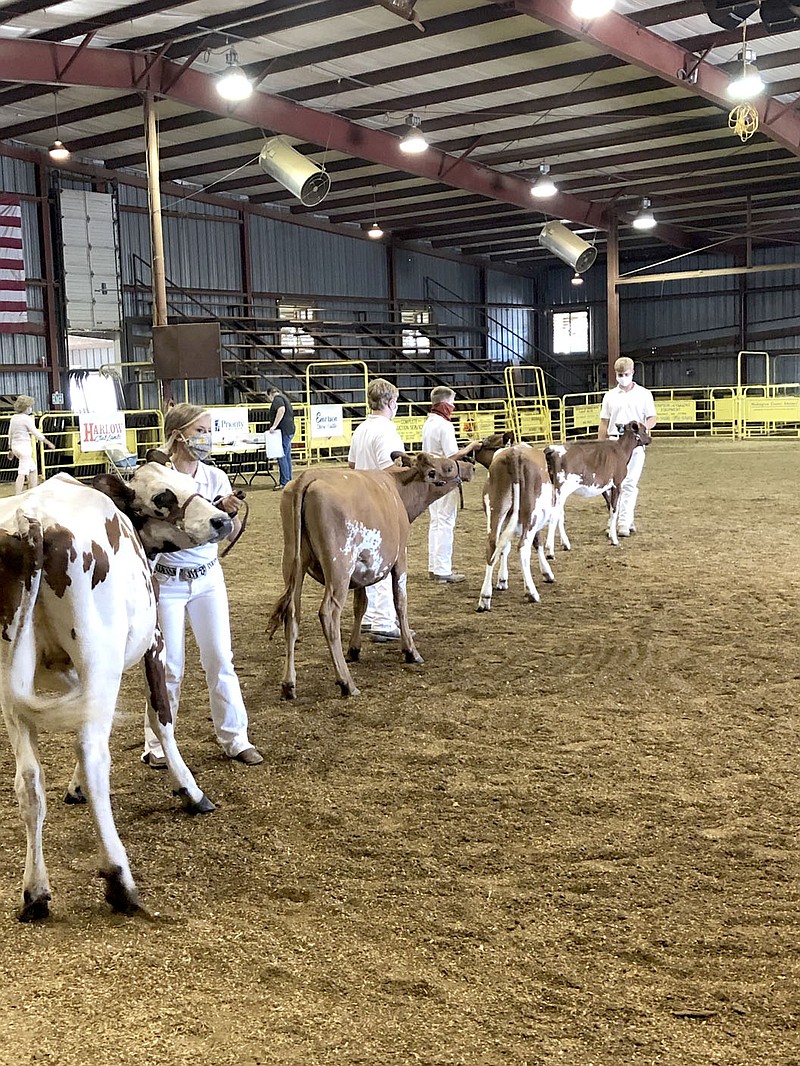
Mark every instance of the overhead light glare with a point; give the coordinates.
(576, 279)
(234, 84)
(591, 9)
(748, 84)
(544, 187)
(413, 141)
(645, 219)
(375, 231)
(59, 152)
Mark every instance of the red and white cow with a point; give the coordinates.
(348, 529)
(591, 468)
(518, 499)
(77, 609)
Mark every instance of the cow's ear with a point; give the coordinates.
(119, 491)
(404, 457)
(508, 438)
(154, 455)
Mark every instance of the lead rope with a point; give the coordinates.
(239, 496)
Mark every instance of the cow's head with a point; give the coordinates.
(491, 445)
(165, 508)
(435, 469)
(638, 430)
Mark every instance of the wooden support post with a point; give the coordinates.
(157, 267)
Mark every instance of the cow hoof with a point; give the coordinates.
(348, 690)
(75, 797)
(483, 607)
(121, 897)
(502, 586)
(201, 806)
(34, 910)
(288, 690)
(353, 655)
(550, 555)
(549, 579)
(413, 657)
(531, 598)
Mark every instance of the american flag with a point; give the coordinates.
(13, 304)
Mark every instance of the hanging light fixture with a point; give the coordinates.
(576, 279)
(58, 151)
(645, 219)
(544, 187)
(748, 84)
(375, 231)
(233, 83)
(413, 141)
(591, 9)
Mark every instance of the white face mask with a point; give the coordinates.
(624, 380)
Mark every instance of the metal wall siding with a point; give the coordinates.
(202, 254)
(17, 176)
(134, 235)
(296, 259)
(447, 280)
(23, 383)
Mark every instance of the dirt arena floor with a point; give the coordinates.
(570, 837)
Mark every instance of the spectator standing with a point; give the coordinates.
(628, 402)
(371, 449)
(191, 585)
(21, 431)
(439, 438)
(281, 419)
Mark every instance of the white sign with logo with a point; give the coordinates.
(229, 425)
(327, 420)
(100, 432)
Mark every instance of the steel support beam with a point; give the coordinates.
(33, 61)
(616, 35)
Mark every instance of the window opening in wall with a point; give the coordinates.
(570, 332)
(294, 338)
(415, 316)
(414, 341)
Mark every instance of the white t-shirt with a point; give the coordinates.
(439, 436)
(373, 443)
(636, 405)
(211, 483)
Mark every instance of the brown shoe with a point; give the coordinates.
(250, 757)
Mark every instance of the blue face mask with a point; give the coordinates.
(198, 445)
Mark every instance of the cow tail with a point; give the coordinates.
(24, 559)
(550, 459)
(505, 530)
(292, 537)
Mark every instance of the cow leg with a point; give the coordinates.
(161, 721)
(94, 759)
(330, 617)
(291, 631)
(525, 544)
(75, 793)
(613, 502)
(399, 579)
(29, 787)
(359, 610)
(485, 598)
(502, 573)
(544, 566)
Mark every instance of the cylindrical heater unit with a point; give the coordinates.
(296, 173)
(567, 246)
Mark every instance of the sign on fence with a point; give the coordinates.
(98, 432)
(680, 410)
(229, 425)
(585, 415)
(327, 420)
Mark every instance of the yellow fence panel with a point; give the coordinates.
(586, 416)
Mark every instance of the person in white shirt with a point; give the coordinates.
(628, 402)
(439, 438)
(21, 431)
(191, 585)
(371, 449)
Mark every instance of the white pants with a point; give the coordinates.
(629, 490)
(443, 514)
(380, 612)
(205, 602)
(24, 457)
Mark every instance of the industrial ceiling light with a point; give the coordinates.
(748, 83)
(645, 219)
(576, 279)
(233, 84)
(58, 152)
(544, 187)
(413, 141)
(591, 9)
(375, 231)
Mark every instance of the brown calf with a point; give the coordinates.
(348, 529)
(591, 468)
(517, 498)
